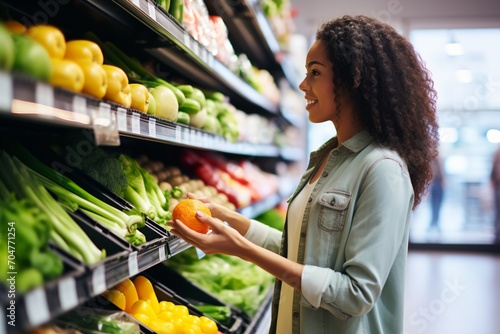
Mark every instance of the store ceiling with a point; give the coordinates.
(422, 13)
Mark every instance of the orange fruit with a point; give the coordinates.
(185, 211)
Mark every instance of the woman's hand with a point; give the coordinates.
(237, 221)
(221, 238)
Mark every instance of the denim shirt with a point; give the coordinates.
(353, 241)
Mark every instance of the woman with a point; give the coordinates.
(343, 251)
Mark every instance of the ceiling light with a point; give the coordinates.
(454, 49)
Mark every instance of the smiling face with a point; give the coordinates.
(318, 85)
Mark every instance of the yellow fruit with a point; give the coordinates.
(188, 328)
(67, 74)
(180, 311)
(96, 80)
(166, 306)
(127, 287)
(118, 89)
(142, 318)
(146, 291)
(162, 327)
(116, 297)
(84, 50)
(208, 326)
(185, 211)
(166, 315)
(50, 37)
(142, 306)
(140, 97)
(15, 27)
(192, 319)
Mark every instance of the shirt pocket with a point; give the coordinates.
(333, 210)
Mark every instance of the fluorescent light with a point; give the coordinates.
(454, 49)
(493, 136)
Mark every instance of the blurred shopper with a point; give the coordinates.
(436, 193)
(340, 261)
(495, 181)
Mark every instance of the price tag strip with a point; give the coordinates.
(37, 308)
(121, 119)
(133, 265)
(7, 93)
(162, 255)
(68, 296)
(44, 94)
(105, 125)
(136, 123)
(99, 280)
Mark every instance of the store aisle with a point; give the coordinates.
(455, 293)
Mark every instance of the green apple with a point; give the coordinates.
(31, 58)
(167, 106)
(7, 49)
(151, 104)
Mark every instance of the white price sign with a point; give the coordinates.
(37, 307)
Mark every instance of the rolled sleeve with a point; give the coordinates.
(315, 281)
(264, 236)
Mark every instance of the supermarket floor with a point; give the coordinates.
(452, 292)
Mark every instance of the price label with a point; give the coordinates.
(68, 297)
(178, 134)
(133, 265)
(7, 93)
(121, 119)
(162, 255)
(187, 40)
(44, 94)
(152, 10)
(80, 104)
(152, 127)
(99, 280)
(136, 123)
(37, 307)
(210, 60)
(196, 49)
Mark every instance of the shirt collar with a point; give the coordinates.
(359, 141)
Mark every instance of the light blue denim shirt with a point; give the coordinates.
(353, 241)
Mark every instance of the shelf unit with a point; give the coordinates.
(158, 34)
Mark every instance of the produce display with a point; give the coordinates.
(242, 182)
(138, 298)
(25, 177)
(103, 71)
(231, 279)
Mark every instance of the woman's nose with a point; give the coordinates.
(303, 85)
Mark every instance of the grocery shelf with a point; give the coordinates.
(174, 46)
(143, 26)
(251, 33)
(23, 98)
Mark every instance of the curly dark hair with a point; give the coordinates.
(391, 87)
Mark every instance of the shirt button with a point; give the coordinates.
(325, 174)
(302, 234)
(309, 200)
(295, 314)
(335, 153)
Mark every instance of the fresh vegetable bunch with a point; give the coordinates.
(234, 281)
(24, 183)
(29, 230)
